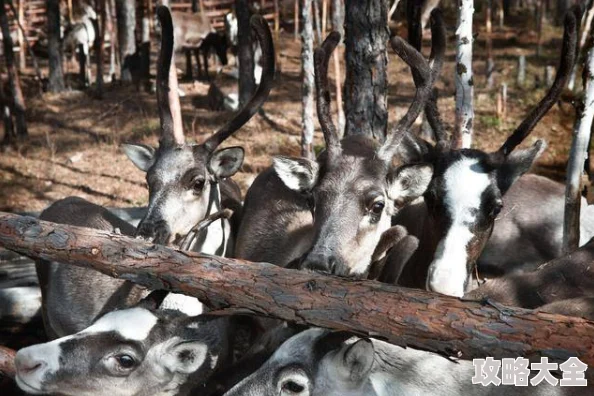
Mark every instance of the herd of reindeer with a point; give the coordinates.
(461, 222)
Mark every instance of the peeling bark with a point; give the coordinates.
(402, 316)
(464, 84)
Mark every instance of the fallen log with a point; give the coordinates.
(7, 362)
(402, 316)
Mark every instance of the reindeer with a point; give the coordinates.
(81, 36)
(467, 195)
(141, 350)
(194, 34)
(330, 214)
(319, 362)
(186, 185)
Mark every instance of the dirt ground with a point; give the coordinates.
(74, 143)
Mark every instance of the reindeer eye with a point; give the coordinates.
(126, 361)
(198, 186)
(377, 208)
(496, 209)
(293, 387)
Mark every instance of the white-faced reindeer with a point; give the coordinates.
(330, 214)
(81, 37)
(318, 362)
(474, 193)
(141, 350)
(186, 185)
(194, 35)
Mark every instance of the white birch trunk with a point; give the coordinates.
(307, 64)
(577, 158)
(464, 85)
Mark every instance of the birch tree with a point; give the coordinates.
(464, 84)
(307, 65)
(338, 25)
(577, 158)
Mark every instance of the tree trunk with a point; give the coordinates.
(338, 25)
(14, 81)
(490, 66)
(126, 19)
(245, 53)
(402, 316)
(145, 45)
(6, 106)
(317, 19)
(577, 158)
(464, 84)
(100, 44)
(56, 76)
(585, 33)
(7, 367)
(113, 40)
(307, 65)
(366, 36)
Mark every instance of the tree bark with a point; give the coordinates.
(307, 88)
(245, 53)
(464, 84)
(126, 19)
(585, 33)
(402, 316)
(7, 367)
(145, 45)
(100, 6)
(338, 25)
(490, 65)
(14, 81)
(366, 36)
(577, 157)
(56, 75)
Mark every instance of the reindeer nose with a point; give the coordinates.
(325, 263)
(159, 231)
(27, 364)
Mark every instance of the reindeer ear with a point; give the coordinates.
(224, 163)
(516, 164)
(141, 155)
(298, 174)
(185, 357)
(409, 182)
(358, 359)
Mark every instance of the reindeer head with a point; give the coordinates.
(182, 178)
(353, 187)
(468, 185)
(136, 351)
(315, 362)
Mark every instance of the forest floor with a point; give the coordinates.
(74, 143)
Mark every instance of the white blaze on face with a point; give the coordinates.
(464, 183)
(132, 324)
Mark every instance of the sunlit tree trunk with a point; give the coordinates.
(126, 17)
(464, 84)
(307, 64)
(56, 76)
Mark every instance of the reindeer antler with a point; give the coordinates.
(438, 47)
(321, 58)
(416, 62)
(262, 31)
(167, 95)
(568, 57)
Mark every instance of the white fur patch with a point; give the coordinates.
(131, 324)
(465, 181)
